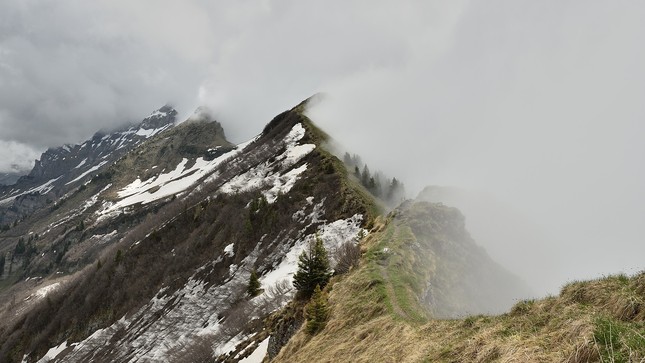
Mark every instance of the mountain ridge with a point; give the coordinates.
(148, 259)
(299, 187)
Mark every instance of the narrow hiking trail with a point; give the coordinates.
(391, 294)
(392, 239)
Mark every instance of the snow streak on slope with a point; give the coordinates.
(273, 177)
(43, 189)
(54, 352)
(275, 174)
(174, 182)
(92, 169)
(258, 354)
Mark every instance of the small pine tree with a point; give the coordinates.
(254, 284)
(365, 176)
(316, 312)
(313, 269)
(356, 160)
(371, 186)
(347, 159)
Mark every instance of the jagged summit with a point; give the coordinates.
(160, 118)
(64, 168)
(102, 145)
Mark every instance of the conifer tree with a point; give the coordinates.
(371, 185)
(356, 160)
(313, 269)
(365, 176)
(316, 312)
(347, 159)
(254, 284)
(392, 190)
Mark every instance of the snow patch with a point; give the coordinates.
(103, 238)
(258, 354)
(164, 185)
(274, 178)
(228, 250)
(42, 292)
(92, 169)
(157, 114)
(81, 163)
(42, 189)
(148, 133)
(55, 351)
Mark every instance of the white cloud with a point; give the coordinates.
(538, 104)
(17, 157)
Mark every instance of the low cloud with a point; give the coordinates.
(536, 105)
(539, 108)
(17, 158)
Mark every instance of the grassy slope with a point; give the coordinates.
(375, 317)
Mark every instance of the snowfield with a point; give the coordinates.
(333, 235)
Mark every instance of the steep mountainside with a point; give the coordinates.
(155, 252)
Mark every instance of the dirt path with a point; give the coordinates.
(392, 295)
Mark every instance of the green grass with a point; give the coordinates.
(619, 341)
(392, 260)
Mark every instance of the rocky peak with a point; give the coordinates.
(162, 117)
(66, 167)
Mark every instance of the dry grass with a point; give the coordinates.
(365, 327)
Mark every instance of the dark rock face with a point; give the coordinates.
(283, 331)
(160, 118)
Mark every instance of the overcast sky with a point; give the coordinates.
(540, 106)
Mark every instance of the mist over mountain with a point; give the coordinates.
(8, 178)
(465, 185)
(142, 245)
